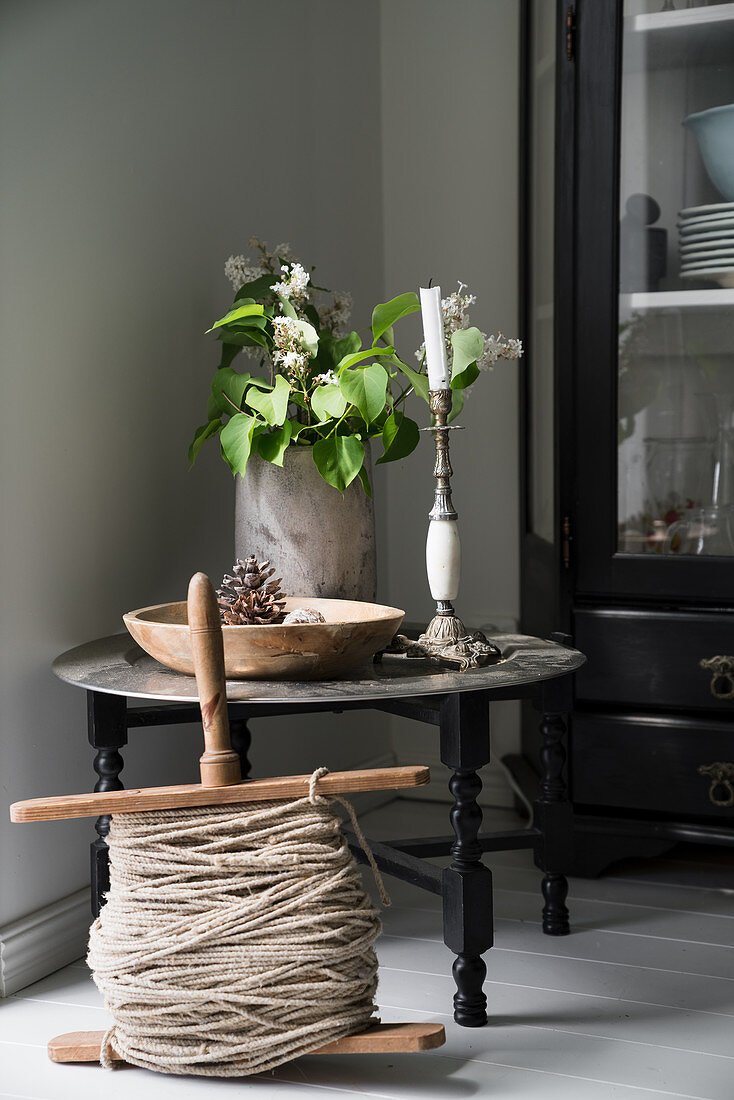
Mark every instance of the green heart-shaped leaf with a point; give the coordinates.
(243, 338)
(229, 351)
(228, 388)
(258, 288)
(418, 381)
(366, 389)
(468, 346)
(212, 407)
(309, 337)
(287, 308)
(247, 309)
(466, 378)
(328, 401)
(339, 459)
(200, 437)
(346, 345)
(272, 445)
(400, 437)
(386, 314)
(244, 324)
(357, 357)
(271, 404)
(457, 404)
(236, 441)
(365, 479)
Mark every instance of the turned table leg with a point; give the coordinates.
(107, 732)
(467, 883)
(553, 814)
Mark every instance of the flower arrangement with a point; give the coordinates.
(316, 384)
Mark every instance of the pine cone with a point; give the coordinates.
(248, 596)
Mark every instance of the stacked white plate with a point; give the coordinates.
(706, 243)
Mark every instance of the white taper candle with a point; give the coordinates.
(438, 368)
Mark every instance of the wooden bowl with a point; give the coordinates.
(352, 634)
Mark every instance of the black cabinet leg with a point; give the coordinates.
(107, 732)
(554, 817)
(467, 883)
(241, 741)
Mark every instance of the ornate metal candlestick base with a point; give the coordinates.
(446, 640)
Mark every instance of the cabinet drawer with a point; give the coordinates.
(646, 763)
(652, 659)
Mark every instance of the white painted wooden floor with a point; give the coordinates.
(637, 1002)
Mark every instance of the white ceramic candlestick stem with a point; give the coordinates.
(436, 361)
(443, 547)
(446, 640)
(443, 559)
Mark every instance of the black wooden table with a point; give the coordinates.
(113, 670)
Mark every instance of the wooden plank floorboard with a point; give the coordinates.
(623, 950)
(624, 1061)
(512, 1004)
(392, 1077)
(587, 978)
(642, 920)
(590, 914)
(630, 892)
(637, 1003)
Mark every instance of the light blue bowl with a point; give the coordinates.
(714, 130)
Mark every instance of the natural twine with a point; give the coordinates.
(234, 938)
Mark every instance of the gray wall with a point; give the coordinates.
(450, 180)
(449, 171)
(142, 143)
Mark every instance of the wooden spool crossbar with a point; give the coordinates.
(59, 807)
(86, 1046)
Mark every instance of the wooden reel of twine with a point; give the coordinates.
(234, 938)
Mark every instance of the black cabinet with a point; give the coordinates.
(628, 408)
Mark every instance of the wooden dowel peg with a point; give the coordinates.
(219, 766)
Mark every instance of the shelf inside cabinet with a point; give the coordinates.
(690, 36)
(720, 298)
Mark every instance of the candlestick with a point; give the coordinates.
(446, 641)
(432, 316)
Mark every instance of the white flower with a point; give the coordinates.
(289, 350)
(239, 271)
(291, 359)
(285, 328)
(294, 284)
(454, 309)
(497, 347)
(325, 379)
(335, 316)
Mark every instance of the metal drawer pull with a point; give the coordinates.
(722, 774)
(722, 681)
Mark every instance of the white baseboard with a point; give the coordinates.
(36, 945)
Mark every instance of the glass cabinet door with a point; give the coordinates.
(675, 339)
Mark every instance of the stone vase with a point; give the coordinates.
(321, 542)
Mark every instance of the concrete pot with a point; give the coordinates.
(321, 543)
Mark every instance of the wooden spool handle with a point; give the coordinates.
(219, 766)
